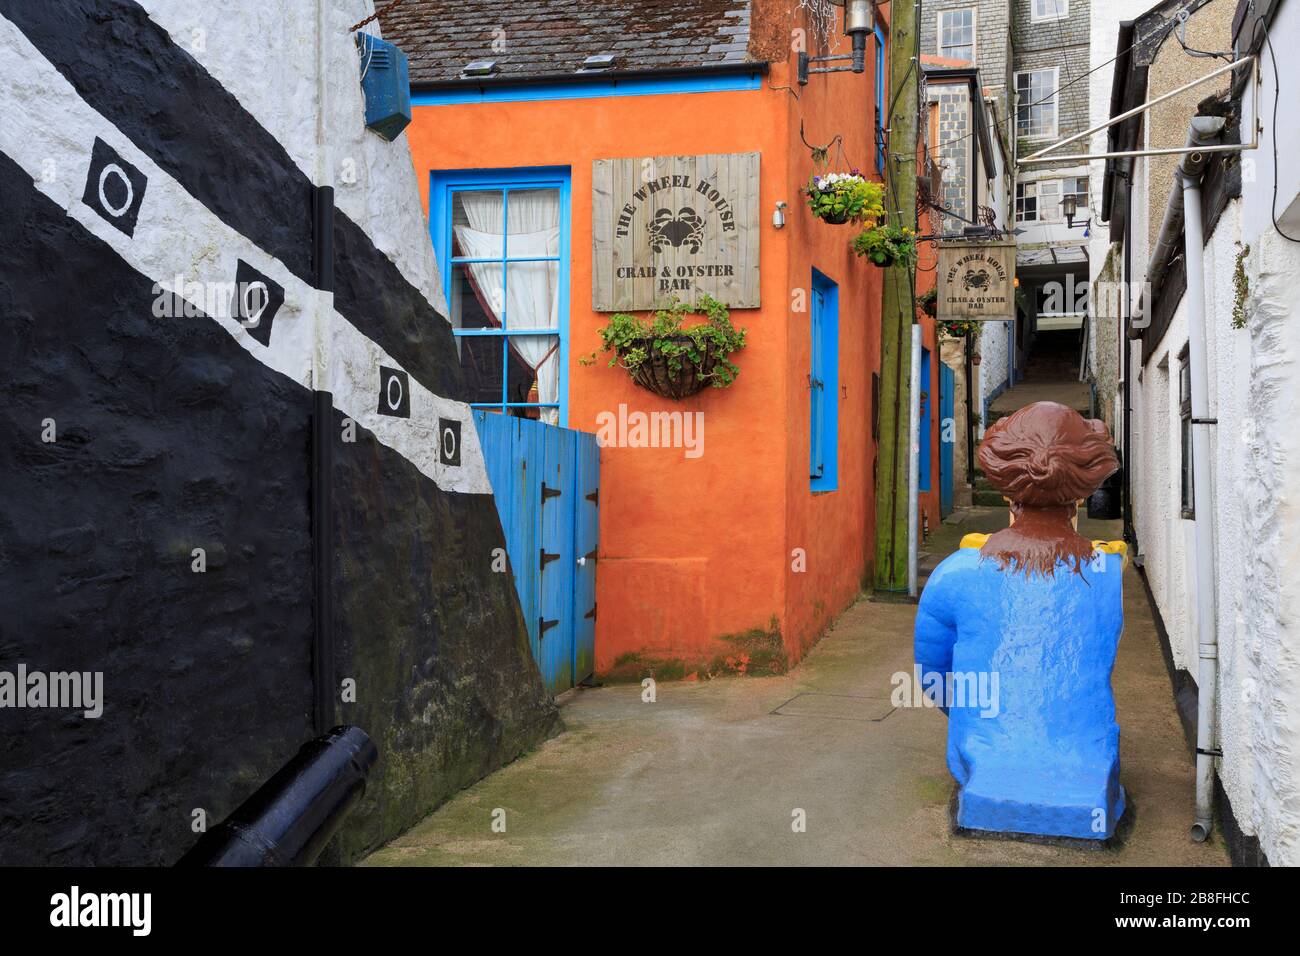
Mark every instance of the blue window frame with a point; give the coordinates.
(824, 385)
(501, 237)
(880, 100)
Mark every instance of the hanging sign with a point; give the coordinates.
(674, 227)
(977, 281)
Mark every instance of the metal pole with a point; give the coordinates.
(1034, 157)
(914, 462)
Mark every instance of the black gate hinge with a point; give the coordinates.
(594, 497)
(591, 614)
(543, 625)
(549, 492)
(546, 556)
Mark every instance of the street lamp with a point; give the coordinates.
(859, 23)
(1070, 206)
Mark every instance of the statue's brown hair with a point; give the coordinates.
(1044, 457)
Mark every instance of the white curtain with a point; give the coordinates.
(533, 290)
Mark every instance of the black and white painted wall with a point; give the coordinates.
(234, 475)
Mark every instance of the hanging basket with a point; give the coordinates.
(662, 356)
(834, 219)
(655, 374)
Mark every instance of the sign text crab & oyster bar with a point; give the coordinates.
(675, 227)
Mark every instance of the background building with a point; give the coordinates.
(1250, 212)
(750, 548)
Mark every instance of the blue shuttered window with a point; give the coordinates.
(824, 385)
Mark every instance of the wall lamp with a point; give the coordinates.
(859, 22)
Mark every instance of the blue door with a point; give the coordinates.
(925, 423)
(947, 436)
(586, 524)
(546, 482)
(824, 385)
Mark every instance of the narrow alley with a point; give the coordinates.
(711, 773)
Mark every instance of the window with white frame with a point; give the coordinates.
(1038, 201)
(1050, 9)
(957, 34)
(1076, 186)
(1036, 103)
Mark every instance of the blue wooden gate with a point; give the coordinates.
(546, 482)
(947, 436)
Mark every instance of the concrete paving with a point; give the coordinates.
(1073, 393)
(717, 772)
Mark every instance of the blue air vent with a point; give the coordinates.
(386, 85)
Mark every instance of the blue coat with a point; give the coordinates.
(1032, 737)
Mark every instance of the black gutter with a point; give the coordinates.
(1118, 90)
(580, 78)
(322, 484)
(1130, 531)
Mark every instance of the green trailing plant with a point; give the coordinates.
(845, 197)
(1241, 288)
(670, 358)
(884, 245)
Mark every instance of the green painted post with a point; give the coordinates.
(898, 310)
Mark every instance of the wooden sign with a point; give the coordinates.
(977, 281)
(674, 227)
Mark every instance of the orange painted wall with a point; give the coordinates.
(693, 549)
(835, 529)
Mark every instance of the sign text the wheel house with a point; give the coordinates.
(977, 281)
(668, 228)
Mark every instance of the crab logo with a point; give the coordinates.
(684, 229)
(975, 279)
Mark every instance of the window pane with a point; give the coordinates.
(1036, 103)
(476, 224)
(476, 296)
(535, 360)
(533, 295)
(957, 34)
(480, 362)
(534, 223)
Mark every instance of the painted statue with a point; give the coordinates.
(1016, 635)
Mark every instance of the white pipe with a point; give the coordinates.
(1202, 499)
(914, 463)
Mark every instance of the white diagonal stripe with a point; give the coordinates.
(46, 123)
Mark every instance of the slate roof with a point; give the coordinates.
(550, 37)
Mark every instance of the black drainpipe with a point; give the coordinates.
(322, 485)
(970, 410)
(1129, 534)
